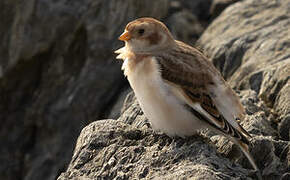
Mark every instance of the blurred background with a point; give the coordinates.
(58, 72)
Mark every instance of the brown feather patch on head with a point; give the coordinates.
(154, 38)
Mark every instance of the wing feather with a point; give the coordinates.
(195, 79)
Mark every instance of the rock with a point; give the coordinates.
(248, 44)
(281, 107)
(115, 110)
(251, 48)
(127, 147)
(132, 113)
(217, 6)
(188, 19)
(110, 149)
(134, 150)
(58, 74)
(199, 8)
(269, 151)
(184, 25)
(284, 128)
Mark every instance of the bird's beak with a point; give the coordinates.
(125, 36)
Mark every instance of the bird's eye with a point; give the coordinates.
(141, 31)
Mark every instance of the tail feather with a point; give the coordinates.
(238, 136)
(245, 149)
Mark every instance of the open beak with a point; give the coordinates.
(125, 36)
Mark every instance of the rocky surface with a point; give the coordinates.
(58, 73)
(128, 148)
(249, 44)
(218, 6)
(251, 47)
(110, 149)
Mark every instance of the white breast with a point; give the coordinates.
(164, 110)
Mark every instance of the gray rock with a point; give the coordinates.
(248, 44)
(200, 8)
(115, 111)
(132, 150)
(186, 26)
(284, 128)
(217, 6)
(111, 149)
(57, 74)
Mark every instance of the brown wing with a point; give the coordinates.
(190, 74)
(207, 104)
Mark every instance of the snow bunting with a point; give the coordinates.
(177, 87)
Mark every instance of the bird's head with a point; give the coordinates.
(145, 35)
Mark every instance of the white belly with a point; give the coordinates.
(163, 109)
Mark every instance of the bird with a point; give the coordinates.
(178, 88)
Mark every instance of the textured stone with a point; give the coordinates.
(186, 26)
(217, 6)
(110, 149)
(135, 151)
(57, 74)
(248, 43)
(200, 8)
(250, 46)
